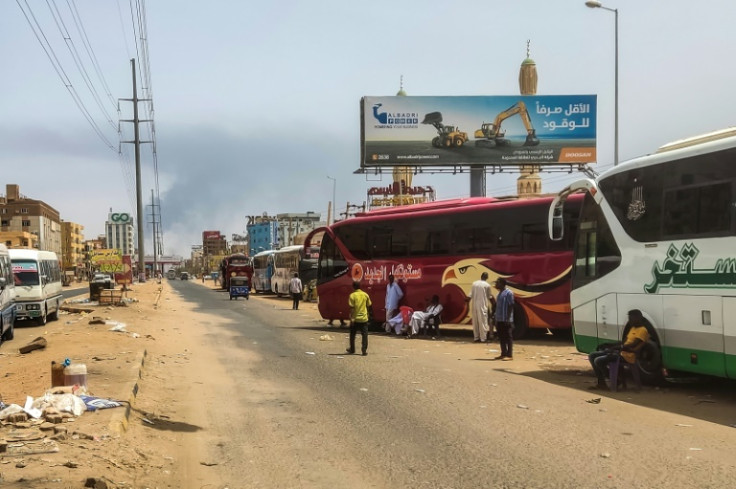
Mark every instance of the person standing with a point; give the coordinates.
(480, 294)
(359, 303)
(295, 288)
(505, 320)
(393, 296)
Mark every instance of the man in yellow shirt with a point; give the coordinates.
(359, 303)
(636, 337)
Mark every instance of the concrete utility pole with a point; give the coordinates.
(138, 187)
(155, 236)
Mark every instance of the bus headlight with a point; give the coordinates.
(33, 307)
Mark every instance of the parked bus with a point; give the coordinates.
(441, 248)
(658, 234)
(37, 276)
(7, 296)
(263, 271)
(237, 264)
(285, 264)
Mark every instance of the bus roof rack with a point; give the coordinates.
(702, 138)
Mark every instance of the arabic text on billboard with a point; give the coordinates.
(478, 130)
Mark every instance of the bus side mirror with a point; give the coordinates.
(556, 220)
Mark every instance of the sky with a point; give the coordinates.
(256, 104)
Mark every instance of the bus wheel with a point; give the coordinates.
(42, 318)
(54, 316)
(8, 335)
(521, 325)
(650, 363)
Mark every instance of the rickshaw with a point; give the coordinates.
(239, 287)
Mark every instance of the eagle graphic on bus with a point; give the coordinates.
(463, 273)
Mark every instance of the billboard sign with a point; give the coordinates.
(107, 260)
(125, 277)
(478, 130)
(210, 235)
(119, 218)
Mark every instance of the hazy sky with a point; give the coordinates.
(256, 103)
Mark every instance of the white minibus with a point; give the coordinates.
(37, 276)
(7, 296)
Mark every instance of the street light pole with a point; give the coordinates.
(596, 4)
(334, 185)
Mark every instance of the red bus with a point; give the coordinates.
(237, 264)
(442, 247)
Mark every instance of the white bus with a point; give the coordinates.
(37, 276)
(7, 296)
(263, 271)
(658, 233)
(285, 264)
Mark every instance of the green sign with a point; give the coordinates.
(678, 271)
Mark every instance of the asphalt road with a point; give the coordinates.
(277, 406)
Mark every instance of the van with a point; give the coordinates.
(7, 296)
(37, 276)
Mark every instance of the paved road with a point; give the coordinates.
(273, 405)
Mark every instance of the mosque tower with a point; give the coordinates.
(402, 172)
(529, 182)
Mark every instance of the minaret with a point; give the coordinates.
(402, 172)
(529, 183)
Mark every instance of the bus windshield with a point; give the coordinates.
(25, 272)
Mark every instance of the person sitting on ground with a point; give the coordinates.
(400, 322)
(419, 317)
(636, 337)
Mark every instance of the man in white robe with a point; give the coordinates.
(419, 317)
(480, 295)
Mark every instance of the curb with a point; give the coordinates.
(119, 421)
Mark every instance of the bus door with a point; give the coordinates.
(607, 321)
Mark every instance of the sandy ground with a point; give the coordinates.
(158, 341)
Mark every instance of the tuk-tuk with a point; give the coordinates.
(239, 287)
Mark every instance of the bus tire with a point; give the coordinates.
(42, 318)
(10, 333)
(54, 316)
(649, 362)
(521, 325)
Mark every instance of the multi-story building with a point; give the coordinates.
(19, 214)
(214, 248)
(292, 224)
(72, 246)
(262, 233)
(19, 239)
(120, 233)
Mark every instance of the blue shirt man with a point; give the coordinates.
(505, 319)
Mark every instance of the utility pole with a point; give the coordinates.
(138, 187)
(155, 235)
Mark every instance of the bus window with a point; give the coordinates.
(331, 261)
(355, 239)
(698, 210)
(380, 241)
(596, 251)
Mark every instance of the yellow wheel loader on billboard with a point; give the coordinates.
(447, 136)
(490, 134)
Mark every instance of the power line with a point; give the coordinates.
(77, 59)
(46, 46)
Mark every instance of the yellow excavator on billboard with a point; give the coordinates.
(490, 134)
(447, 136)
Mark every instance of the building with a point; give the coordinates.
(292, 224)
(262, 233)
(72, 247)
(19, 239)
(120, 233)
(19, 215)
(214, 248)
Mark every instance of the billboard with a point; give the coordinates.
(478, 130)
(107, 260)
(210, 235)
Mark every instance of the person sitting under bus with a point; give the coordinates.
(401, 320)
(434, 309)
(636, 337)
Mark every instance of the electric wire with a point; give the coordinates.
(90, 52)
(78, 60)
(48, 49)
